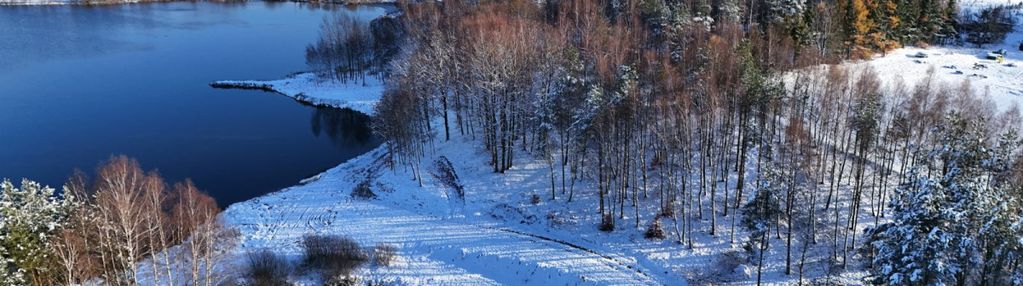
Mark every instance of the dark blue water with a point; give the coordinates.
(79, 84)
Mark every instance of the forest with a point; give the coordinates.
(734, 119)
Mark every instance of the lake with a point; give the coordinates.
(80, 84)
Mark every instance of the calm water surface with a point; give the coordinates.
(79, 84)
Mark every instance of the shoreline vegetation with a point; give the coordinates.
(247, 85)
(350, 60)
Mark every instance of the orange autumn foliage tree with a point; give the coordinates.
(861, 27)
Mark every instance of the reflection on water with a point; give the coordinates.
(344, 127)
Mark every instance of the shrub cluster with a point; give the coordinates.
(267, 268)
(335, 257)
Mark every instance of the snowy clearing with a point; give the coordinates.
(1003, 81)
(435, 247)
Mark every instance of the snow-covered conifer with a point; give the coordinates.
(950, 225)
(29, 216)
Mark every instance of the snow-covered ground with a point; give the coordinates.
(439, 244)
(955, 64)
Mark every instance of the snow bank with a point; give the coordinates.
(309, 88)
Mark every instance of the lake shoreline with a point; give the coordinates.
(309, 88)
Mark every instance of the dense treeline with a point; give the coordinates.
(110, 229)
(706, 111)
(989, 25)
(350, 48)
(344, 49)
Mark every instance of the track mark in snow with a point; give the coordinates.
(610, 260)
(467, 250)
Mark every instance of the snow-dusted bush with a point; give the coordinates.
(607, 223)
(666, 210)
(363, 190)
(445, 172)
(334, 256)
(654, 231)
(267, 268)
(383, 254)
(343, 281)
(534, 199)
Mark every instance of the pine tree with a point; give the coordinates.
(655, 15)
(9, 275)
(931, 21)
(950, 22)
(779, 11)
(886, 37)
(727, 11)
(893, 21)
(950, 224)
(1001, 246)
(916, 247)
(29, 217)
(908, 12)
(761, 212)
(989, 26)
(801, 33)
